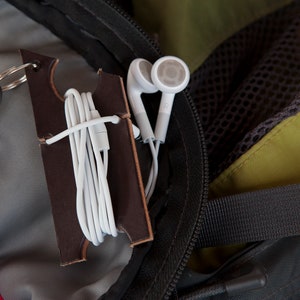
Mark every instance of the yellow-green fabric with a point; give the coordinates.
(273, 161)
(192, 29)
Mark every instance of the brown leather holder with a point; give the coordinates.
(124, 176)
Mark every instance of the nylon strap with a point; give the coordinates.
(250, 217)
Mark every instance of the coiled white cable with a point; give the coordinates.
(88, 139)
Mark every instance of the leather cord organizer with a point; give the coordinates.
(124, 176)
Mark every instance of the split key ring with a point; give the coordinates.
(17, 81)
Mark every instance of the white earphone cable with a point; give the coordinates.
(149, 189)
(88, 139)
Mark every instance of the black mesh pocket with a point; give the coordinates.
(248, 85)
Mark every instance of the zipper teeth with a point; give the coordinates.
(205, 182)
(205, 179)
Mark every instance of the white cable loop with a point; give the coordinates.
(89, 149)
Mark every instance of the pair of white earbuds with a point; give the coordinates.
(170, 75)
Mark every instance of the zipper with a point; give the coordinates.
(205, 183)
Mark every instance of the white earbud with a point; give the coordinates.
(138, 82)
(170, 75)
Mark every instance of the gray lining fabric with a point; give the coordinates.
(29, 258)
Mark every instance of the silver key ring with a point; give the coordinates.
(13, 70)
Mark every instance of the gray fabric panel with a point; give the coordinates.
(29, 260)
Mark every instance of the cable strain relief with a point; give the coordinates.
(161, 127)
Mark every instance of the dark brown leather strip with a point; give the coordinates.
(124, 175)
